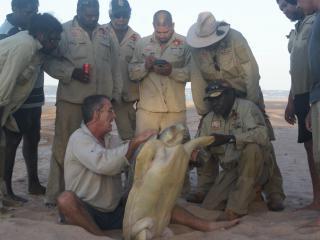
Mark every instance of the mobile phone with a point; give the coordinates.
(160, 62)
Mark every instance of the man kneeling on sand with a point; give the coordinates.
(93, 164)
(241, 141)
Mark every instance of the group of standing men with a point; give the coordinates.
(149, 74)
(304, 95)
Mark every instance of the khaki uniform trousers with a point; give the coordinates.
(315, 116)
(158, 121)
(125, 119)
(68, 120)
(209, 172)
(2, 160)
(235, 188)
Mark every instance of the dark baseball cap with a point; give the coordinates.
(119, 6)
(216, 88)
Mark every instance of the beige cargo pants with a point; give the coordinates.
(235, 188)
(209, 172)
(125, 119)
(68, 119)
(157, 121)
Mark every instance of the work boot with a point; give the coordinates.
(196, 197)
(275, 203)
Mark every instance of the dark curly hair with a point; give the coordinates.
(44, 23)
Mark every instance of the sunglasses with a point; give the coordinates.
(124, 15)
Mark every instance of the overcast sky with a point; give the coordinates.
(260, 21)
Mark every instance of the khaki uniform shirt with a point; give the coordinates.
(231, 60)
(75, 49)
(298, 48)
(130, 90)
(161, 93)
(20, 62)
(93, 171)
(245, 122)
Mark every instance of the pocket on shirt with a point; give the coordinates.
(105, 50)
(228, 64)
(78, 50)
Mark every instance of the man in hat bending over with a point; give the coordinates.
(221, 52)
(241, 141)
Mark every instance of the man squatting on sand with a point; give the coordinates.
(298, 101)
(95, 158)
(241, 145)
(222, 53)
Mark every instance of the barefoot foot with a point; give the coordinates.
(223, 225)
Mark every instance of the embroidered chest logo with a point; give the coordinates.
(177, 42)
(216, 124)
(134, 37)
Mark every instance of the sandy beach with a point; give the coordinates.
(34, 221)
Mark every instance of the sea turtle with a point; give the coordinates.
(160, 171)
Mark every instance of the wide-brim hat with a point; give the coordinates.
(206, 31)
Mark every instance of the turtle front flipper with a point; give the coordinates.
(145, 158)
(198, 142)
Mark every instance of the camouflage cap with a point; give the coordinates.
(216, 88)
(87, 3)
(119, 6)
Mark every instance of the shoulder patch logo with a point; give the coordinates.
(177, 42)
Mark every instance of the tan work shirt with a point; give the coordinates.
(245, 122)
(161, 93)
(93, 171)
(231, 60)
(20, 62)
(298, 48)
(77, 48)
(130, 90)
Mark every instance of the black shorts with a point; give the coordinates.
(28, 120)
(302, 107)
(106, 220)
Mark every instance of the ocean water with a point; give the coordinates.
(50, 93)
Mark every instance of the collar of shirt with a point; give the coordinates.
(128, 35)
(155, 40)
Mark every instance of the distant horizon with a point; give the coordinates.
(263, 89)
(261, 22)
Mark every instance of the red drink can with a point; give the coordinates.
(86, 68)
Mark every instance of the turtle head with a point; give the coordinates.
(173, 135)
